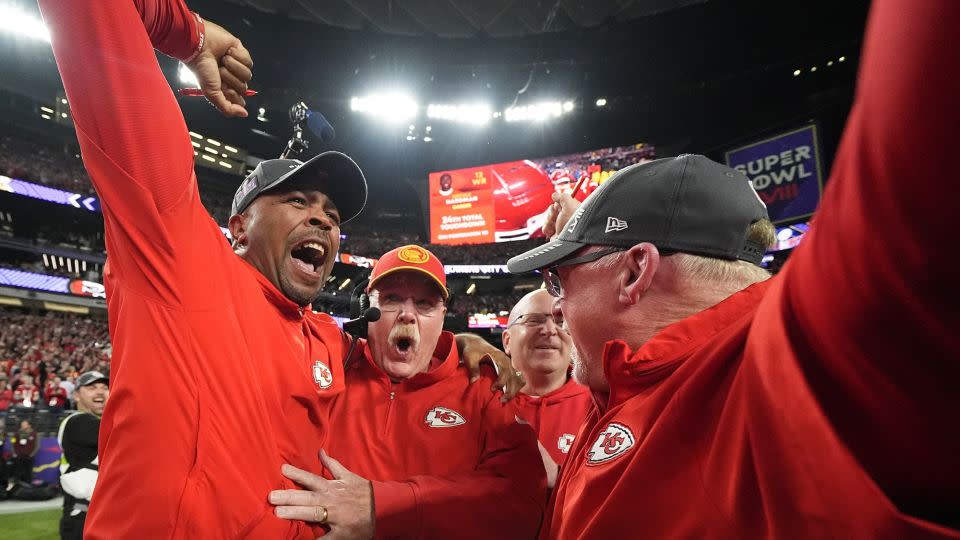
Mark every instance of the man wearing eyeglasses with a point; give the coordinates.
(820, 403)
(433, 455)
(552, 402)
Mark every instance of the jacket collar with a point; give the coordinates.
(570, 389)
(287, 307)
(630, 372)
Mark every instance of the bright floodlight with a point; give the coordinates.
(567, 106)
(602, 102)
(186, 76)
(477, 114)
(15, 21)
(391, 107)
(536, 112)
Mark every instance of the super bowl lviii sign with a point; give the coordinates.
(785, 171)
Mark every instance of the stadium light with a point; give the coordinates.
(537, 111)
(796, 73)
(841, 59)
(15, 21)
(391, 107)
(186, 76)
(602, 102)
(476, 114)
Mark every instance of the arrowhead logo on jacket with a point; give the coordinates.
(322, 375)
(443, 417)
(612, 443)
(565, 442)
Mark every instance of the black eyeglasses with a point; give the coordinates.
(537, 320)
(552, 278)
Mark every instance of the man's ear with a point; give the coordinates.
(238, 226)
(505, 338)
(637, 269)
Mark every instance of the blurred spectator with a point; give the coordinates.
(25, 446)
(67, 384)
(6, 393)
(54, 394)
(26, 393)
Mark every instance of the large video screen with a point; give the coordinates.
(508, 201)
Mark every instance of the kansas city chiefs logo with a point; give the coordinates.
(611, 444)
(322, 375)
(565, 442)
(443, 417)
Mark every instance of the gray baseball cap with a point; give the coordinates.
(688, 204)
(91, 377)
(335, 174)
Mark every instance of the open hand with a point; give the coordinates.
(474, 351)
(345, 503)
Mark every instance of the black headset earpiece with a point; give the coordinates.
(359, 299)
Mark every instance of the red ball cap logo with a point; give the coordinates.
(410, 259)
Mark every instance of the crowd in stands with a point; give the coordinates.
(41, 164)
(41, 355)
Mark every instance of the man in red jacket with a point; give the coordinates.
(552, 402)
(444, 457)
(820, 403)
(186, 310)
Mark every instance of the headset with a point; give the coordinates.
(361, 314)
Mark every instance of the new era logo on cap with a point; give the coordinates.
(614, 224)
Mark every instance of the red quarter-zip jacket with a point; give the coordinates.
(446, 458)
(822, 403)
(217, 379)
(556, 417)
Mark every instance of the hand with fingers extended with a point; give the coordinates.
(559, 214)
(223, 68)
(474, 351)
(344, 504)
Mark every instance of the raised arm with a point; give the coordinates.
(133, 138)
(870, 299)
(120, 101)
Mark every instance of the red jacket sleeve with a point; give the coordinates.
(871, 297)
(134, 141)
(503, 498)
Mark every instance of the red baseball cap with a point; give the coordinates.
(410, 258)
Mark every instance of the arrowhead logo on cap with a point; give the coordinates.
(413, 255)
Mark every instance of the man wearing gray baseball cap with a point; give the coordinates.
(78, 438)
(820, 403)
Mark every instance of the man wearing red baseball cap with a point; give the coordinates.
(442, 455)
